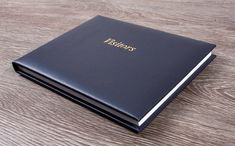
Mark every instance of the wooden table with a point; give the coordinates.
(203, 114)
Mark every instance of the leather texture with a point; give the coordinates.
(131, 83)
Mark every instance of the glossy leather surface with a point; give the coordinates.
(129, 82)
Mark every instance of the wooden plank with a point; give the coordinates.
(203, 114)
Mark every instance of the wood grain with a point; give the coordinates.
(203, 114)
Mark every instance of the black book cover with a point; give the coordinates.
(125, 72)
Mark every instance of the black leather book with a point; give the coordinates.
(125, 72)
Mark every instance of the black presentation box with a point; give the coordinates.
(125, 72)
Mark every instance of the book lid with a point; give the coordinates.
(126, 67)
